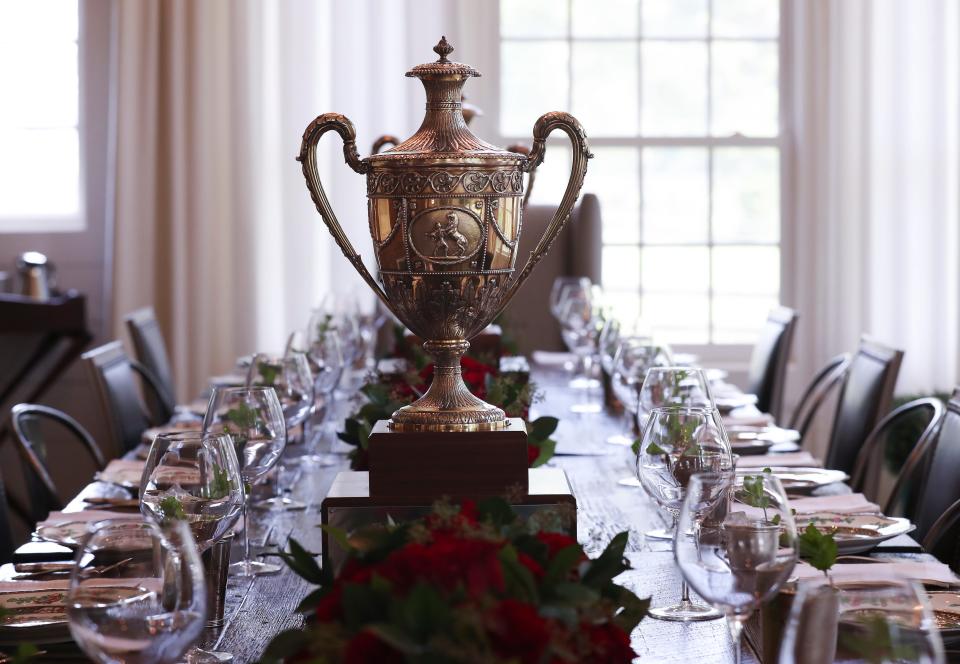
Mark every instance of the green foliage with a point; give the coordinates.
(219, 485)
(876, 640)
(268, 373)
(817, 548)
(171, 509)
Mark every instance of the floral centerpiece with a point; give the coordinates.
(466, 584)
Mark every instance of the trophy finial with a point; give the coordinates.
(443, 49)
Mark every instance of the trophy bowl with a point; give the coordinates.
(445, 214)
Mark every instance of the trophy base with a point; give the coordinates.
(350, 505)
(429, 464)
(467, 413)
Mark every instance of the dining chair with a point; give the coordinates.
(865, 398)
(113, 374)
(150, 351)
(31, 423)
(7, 546)
(940, 486)
(767, 375)
(943, 538)
(822, 385)
(891, 465)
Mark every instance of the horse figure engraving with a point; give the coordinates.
(448, 231)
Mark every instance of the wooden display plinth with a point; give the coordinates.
(349, 505)
(426, 465)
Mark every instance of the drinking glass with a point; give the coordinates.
(195, 478)
(560, 289)
(743, 546)
(580, 327)
(633, 358)
(253, 418)
(136, 592)
(677, 443)
(674, 386)
(887, 620)
(325, 353)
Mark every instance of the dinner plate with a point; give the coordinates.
(725, 404)
(946, 614)
(39, 616)
(856, 533)
(750, 447)
(68, 533)
(773, 434)
(801, 479)
(147, 436)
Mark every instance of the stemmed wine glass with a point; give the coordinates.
(194, 478)
(633, 358)
(253, 418)
(887, 620)
(580, 323)
(560, 290)
(743, 546)
(136, 592)
(325, 353)
(674, 386)
(290, 376)
(677, 443)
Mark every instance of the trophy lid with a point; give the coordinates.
(444, 133)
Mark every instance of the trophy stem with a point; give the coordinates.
(447, 404)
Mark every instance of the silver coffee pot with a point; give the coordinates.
(36, 275)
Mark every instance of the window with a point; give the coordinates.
(680, 100)
(39, 116)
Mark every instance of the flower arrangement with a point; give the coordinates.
(466, 584)
(506, 390)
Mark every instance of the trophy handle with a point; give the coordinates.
(308, 159)
(386, 139)
(581, 153)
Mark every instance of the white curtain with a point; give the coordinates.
(874, 210)
(212, 223)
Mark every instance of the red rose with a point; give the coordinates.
(530, 564)
(366, 648)
(532, 453)
(556, 542)
(448, 561)
(518, 631)
(328, 608)
(608, 643)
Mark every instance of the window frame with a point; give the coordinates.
(486, 22)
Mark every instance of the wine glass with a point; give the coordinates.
(559, 291)
(743, 546)
(674, 386)
(325, 353)
(677, 443)
(136, 592)
(887, 620)
(253, 418)
(194, 478)
(580, 328)
(633, 358)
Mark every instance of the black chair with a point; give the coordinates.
(891, 465)
(7, 546)
(768, 363)
(864, 398)
(28, 424)
(114, 375)
(828, 378)
(943, 538)
(151, 352)
(940, 487)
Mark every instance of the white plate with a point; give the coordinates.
(856, 533)
(727, 404)
(800, 479)
(946, 614)
(773, 434)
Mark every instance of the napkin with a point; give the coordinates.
(801, 459)
(28, 585)
(748, 419)
(848, 503)
(551, 358)
(89, 516)
(122, 471)
(932, 572)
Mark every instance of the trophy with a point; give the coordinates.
(445, 216)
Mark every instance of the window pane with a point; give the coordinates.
(746, 195)
(533, 18)
(601, 69)
(31, 182)
(40, 83)
(621, 268)
(553, 174)
(613, 175)
(675, 270)
(746, 18)
(49, 21)
(674, 101)
(744, 90)
(677, 318)
(742, 270)
(674, 18)
(532, 81)
(624, 305)
(610, 18)
(737, 319)
(675, 195)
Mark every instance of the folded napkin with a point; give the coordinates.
(757, 419)
(122, 471)
(848, 503)
(723, 390)
(795, 459)
(28, 585)
(549, 358)
(933, 572)
(89, 516)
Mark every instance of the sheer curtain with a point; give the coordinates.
(211, 222)
(874, 207)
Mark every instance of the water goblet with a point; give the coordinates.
(633, 358)
(325, 353)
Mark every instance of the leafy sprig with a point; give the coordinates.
(171, 509)
(818, 548)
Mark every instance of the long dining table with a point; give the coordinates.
(259, 608)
